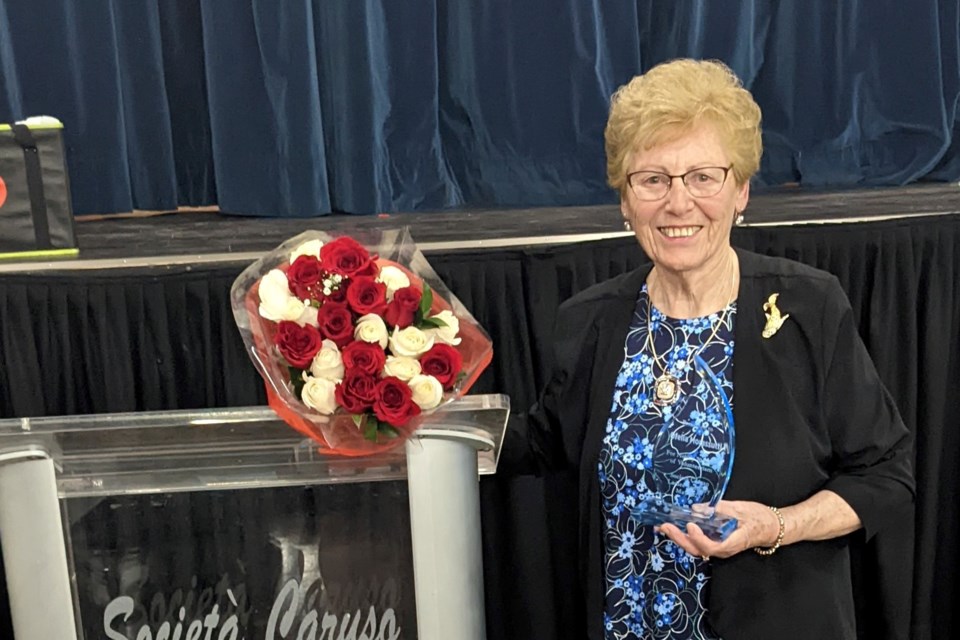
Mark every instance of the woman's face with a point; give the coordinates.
(682, 233)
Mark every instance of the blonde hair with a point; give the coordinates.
(672, 99)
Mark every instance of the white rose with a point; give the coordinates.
(328, 363)
(447, 334)
(308, 315)
(371, 328)
(410, 342)
(427, 391)
(394, 278)
(308, 248)
(276, 301)
(401, 367)
(318, 394)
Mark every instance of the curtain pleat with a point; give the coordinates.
(307, 107)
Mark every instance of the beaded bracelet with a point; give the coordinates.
(769, 551)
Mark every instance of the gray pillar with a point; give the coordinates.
(34, 553)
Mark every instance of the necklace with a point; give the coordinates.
(666, 387)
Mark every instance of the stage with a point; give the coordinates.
(141, 321)
(206, 237)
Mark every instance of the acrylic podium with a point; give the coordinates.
(228, 524)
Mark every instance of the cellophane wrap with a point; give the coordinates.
(342, 433)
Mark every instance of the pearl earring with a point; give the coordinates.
(626, 225)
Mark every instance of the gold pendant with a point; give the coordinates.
(666, 390)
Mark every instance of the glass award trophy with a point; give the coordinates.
(692, 460)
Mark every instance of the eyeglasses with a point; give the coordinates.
(700, 183)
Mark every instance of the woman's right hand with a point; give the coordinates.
(757, 526)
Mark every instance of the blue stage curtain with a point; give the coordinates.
(304, 107)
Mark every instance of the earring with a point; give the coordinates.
(626, 225)
(738, 218)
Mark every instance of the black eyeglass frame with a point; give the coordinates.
(682, 176)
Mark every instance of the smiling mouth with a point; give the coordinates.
(678, 232)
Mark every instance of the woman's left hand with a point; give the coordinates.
(757, 526)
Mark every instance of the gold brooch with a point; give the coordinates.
(774, 318)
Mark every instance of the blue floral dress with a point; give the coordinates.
(655, 589)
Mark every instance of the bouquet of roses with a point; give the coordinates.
(354, 343)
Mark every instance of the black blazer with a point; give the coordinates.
(810, 413)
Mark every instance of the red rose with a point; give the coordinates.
(366, 295)
(443, 362)
(305, 277)
(340, 293)
(365, 357)
(393, 402)
(345, 255)
(335, 322)
(357, 392)
(401, 310)
(298, 345)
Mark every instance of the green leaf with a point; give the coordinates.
(357, 419)
(389, 431)
(296, 379)
(431, 323)
(426, 301)
(370, 429)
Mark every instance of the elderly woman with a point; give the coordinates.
(820, 450)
